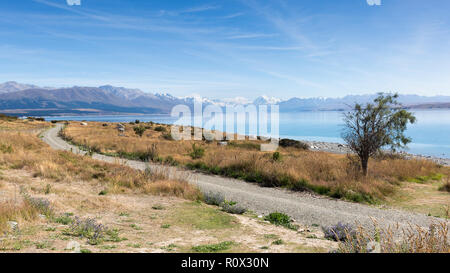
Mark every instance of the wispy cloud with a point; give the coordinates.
(189, 10)
(251, 36)
(233, 15)
(73, 10)
(290, 26)
(296, 79)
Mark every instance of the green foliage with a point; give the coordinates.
(213, 247)
(276, 156)
(160, 129)
(233, 208)
(7, 149)
(48, 189)
(375, 125)
(278, 242)
(64, 219)
(280, 219)
(293, 143)
(139, 130)
(197, 152)
(167, 136)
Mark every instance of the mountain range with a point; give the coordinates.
(25, 99)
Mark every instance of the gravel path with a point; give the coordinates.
(305, 208)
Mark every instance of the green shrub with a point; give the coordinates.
(64, 219)
(278, 242)
(276, 156)
(445, 187)
(139, 130)
(280, 219)
(197, 152)
(233, 208)
(213, 247)
(160, 129)
(167, 136)
(7, 149)
(293, 143)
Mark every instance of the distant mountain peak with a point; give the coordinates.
(264, 99)
(13, 86)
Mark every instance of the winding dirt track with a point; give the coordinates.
(305, 208)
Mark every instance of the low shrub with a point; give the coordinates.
(276, 156)
(160, 129)
(213, 247)
(233, 208)
(339, 232)
(88, 228)
(280, 219)
(167, 136)
(197, 152)
(213, 198)
(293, 143)
(64, 219)
(139, 130)
(445, 187)
(41, 204)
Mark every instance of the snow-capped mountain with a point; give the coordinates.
(12, 86)
(110, 99)
(266, 100)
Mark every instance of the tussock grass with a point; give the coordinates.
(395, 239)
(328, 174)
(17, 212)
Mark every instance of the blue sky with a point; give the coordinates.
(282, 48)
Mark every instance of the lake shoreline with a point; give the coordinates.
(338, 148)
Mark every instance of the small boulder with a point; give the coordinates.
(373, 247)
(13, 225)
(74, 246)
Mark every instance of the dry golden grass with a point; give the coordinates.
(395, 239)
(22, 149)
(15, 211)
(330, 174)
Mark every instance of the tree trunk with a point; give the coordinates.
(364, 164)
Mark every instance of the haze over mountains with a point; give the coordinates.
(25, 99)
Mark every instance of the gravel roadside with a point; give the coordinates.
(305, 208)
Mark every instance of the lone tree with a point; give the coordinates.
(373, 126)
